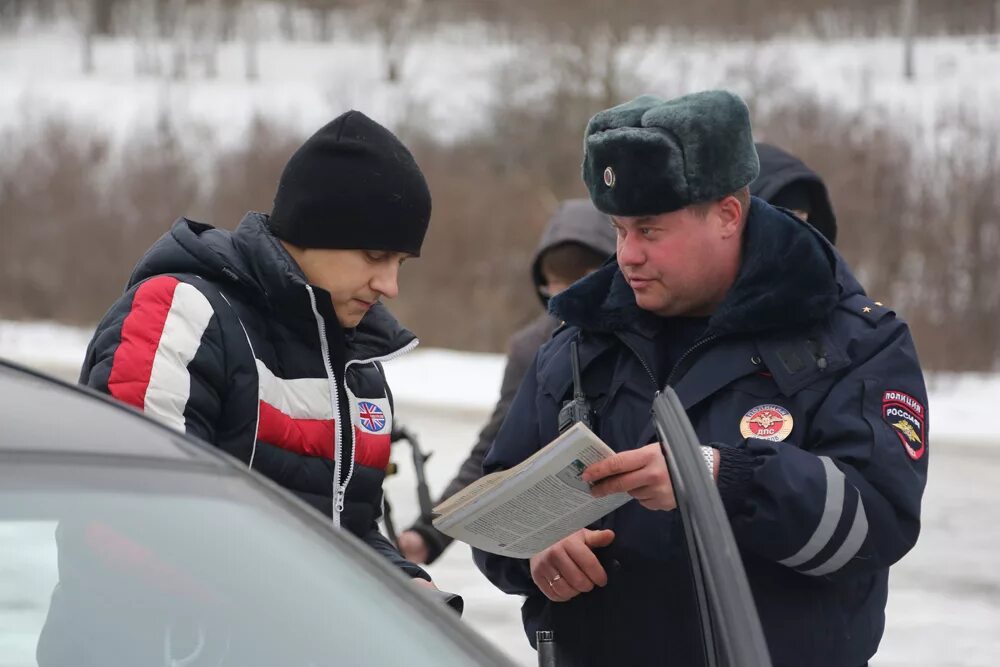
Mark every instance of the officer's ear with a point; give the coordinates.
(731, 213)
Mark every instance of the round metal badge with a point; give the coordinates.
(609, 177)
(767, 422)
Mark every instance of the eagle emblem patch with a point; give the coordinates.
(767, 422)
(907, 416)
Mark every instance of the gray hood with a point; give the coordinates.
(575, 221)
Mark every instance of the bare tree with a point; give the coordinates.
(995, 23)
(89, 20)
(908, 22)
(394, 22)
(322, 12)
(286, 23)
(177, 30)
(206, 20)
(142, 25)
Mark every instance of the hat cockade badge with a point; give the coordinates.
(609, 177)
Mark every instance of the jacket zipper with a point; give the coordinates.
(677, 366)
(340, 481)
(342, 491)
(338, 504)
(652, 378)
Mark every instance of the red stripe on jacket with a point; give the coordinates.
(371, 449)
(141, 331)
(311, 437)
(314, 437)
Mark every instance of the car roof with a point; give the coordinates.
(41, 414)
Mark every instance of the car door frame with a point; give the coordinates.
(731, 629)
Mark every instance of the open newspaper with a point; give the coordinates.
(521, 511)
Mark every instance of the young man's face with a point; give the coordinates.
(681, 263)
(355, 279)
(553, 284)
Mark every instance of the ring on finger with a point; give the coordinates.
(555, 579)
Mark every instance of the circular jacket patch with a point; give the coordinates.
(767, 422)
(371, 416)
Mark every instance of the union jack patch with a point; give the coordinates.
(371, 416)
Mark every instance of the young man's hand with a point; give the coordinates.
(641, 473)
(570, 567)
(413, 547)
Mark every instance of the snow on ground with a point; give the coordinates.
(962, 405)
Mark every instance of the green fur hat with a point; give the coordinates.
(652, 156)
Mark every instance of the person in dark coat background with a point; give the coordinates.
(807, 396)
(577, 240)
(786, 181)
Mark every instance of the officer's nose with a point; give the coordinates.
(629, 252)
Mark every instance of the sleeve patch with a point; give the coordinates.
(906, 416)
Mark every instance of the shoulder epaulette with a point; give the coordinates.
(867, 309)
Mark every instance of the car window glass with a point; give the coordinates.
(103, 577)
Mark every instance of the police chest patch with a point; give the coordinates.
(907, 416)
(767, 422)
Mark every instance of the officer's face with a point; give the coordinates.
(681, 263)
(355, 279)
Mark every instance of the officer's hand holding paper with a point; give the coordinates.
(523, 510)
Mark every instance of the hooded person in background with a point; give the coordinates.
(576, 241)
(786, 181)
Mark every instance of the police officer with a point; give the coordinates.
(806, 394)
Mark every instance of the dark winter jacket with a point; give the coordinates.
(815, 399)
(220, 336)
(778, 170)
(575, 221)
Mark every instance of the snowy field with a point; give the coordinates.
(449, 78)
(944, 604)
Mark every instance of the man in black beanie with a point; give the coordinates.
(267, 341)
(806, 396)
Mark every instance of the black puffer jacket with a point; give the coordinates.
(219, 335)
